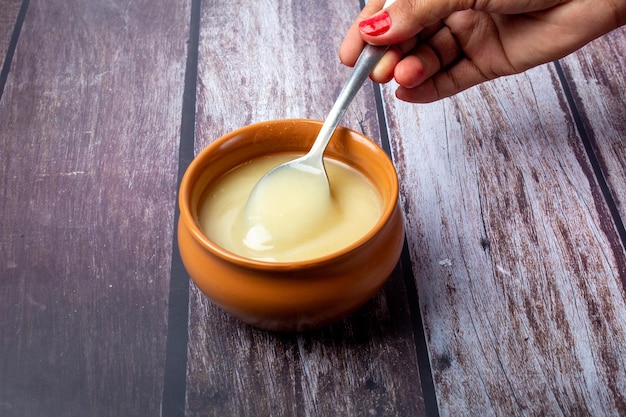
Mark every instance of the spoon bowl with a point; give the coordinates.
(272, 204)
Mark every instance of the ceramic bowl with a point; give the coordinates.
(299, 295)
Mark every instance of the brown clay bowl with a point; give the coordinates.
(299, 295)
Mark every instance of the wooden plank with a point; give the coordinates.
(518, 275)
(364, 365)
(89, 132)
(596, 73)
(9, 10)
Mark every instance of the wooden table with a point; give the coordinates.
(510, 297)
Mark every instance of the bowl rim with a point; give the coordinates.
(198, 163)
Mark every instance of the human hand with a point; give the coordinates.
(441, 47)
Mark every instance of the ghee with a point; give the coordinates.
(349, 212)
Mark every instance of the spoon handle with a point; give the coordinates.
(368, 59)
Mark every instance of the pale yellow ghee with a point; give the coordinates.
(355, 207)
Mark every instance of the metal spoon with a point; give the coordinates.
(274, 218)
(313, 161)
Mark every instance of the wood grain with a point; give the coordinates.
(9, 10)
(89, 126)
(519, 275)
(599, 85)
(364, 365)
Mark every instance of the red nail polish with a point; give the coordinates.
(376, 25)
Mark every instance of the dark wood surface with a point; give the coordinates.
(89, 133)
(510, 298)
(9, 10)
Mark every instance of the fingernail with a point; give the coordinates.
(376, 25)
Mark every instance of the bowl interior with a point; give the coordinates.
(281, 136)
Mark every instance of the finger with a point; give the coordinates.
(404, 20)
(460, 76)
(384, 70)
(430, 56)
(351, 47)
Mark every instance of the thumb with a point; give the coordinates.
(404, 19)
